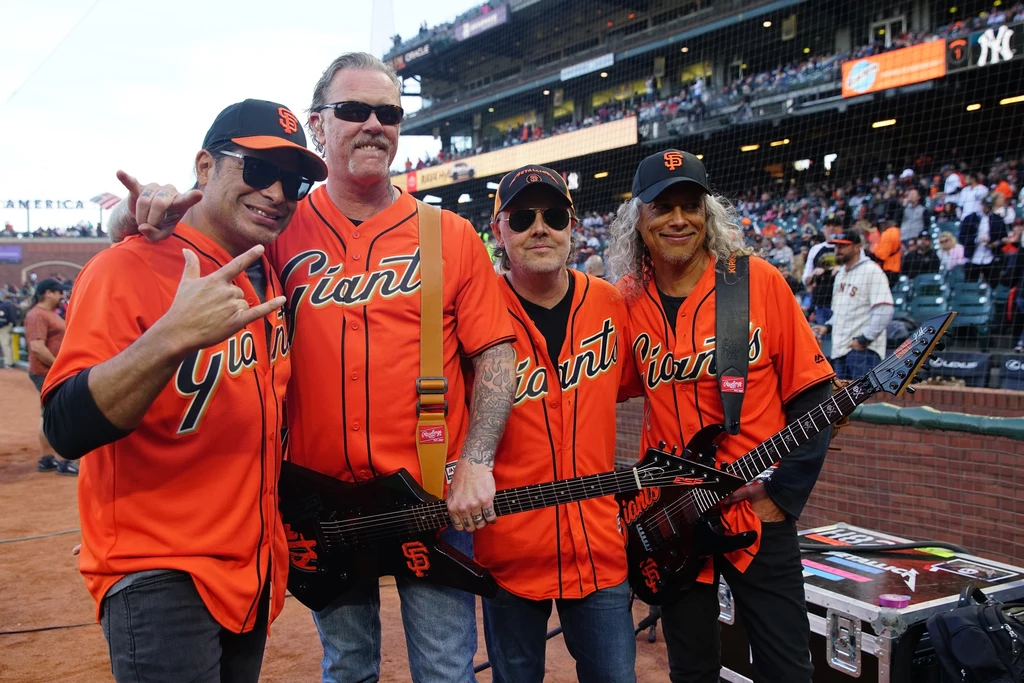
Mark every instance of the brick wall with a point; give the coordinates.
(919, 484)
(37, 256)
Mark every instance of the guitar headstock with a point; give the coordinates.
(893, 374)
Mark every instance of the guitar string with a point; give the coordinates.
(688, 502)
(434, 515)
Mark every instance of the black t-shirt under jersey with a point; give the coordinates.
(550, 321)
(671, 304)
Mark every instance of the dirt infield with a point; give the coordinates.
(41, 586)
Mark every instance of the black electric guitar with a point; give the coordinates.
(669, 541)
(341, 535)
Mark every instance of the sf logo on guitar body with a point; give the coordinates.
(301, 552)
(417, 558)
(652, 577)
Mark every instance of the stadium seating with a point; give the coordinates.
(929, 284)
(924, 307)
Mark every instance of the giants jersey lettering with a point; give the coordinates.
(855, 292)
(354, 301)
(562, 425)
(194, 486)
(676, 373)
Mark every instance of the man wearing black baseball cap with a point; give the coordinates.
(562, 424)
(668, 243)
(170, 384)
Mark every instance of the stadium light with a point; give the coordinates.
(464, 198)
(973, 107)
(807, 50)
(802, 164)
(492, 186)
(780, 143)
(767, 24)
(604, 74)
(490, 195)
(1012, 100)
(884, 124)
(601, 174)
(750, 148)
(431, 199)
(829, 160)
(700, 157)
(685, 49)
(490, 110)
(547, 92)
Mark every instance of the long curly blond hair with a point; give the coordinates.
(629, 260)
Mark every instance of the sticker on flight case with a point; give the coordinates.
(973, 570)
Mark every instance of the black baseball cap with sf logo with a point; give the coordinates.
(664, 169)
(259, 124)
(518, 180)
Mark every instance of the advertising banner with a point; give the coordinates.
(894, 69)
(484, 22)
(549, 150)
(994, 45)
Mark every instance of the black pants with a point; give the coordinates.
(770, 601)
(159, 630)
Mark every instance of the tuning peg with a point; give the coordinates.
(911, 390)
(940, 345)
(661, 445)
(674, 449)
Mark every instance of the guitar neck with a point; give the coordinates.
(799, 432)
(535, 496)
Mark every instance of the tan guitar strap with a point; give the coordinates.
(431, 385)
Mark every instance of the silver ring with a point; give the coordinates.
(478, 518)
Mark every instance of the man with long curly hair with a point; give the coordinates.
(666, 243)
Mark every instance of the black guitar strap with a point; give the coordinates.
(732, 335)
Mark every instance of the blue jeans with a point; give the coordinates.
(439, 622)
(598, 632)
(855, 364)
(159, 630)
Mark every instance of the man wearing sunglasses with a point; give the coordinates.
(568, 368)
(170, 387)
(349, 265)
(667, 243)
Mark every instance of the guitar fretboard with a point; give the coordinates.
(432, 516)
(787, 440)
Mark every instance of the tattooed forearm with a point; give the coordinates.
(492, 402)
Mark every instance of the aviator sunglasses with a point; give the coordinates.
(359, 112)
(260, 174)
(555, 218)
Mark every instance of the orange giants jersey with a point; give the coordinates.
(194, 486)
(562, 425)
(354, 300)
(675, 372)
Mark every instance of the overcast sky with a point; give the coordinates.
(90, 86)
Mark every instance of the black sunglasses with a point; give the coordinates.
(359, 112)
(555, 218)
(260, 174)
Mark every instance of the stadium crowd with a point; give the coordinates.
(698, 100)
(80, 229)
(912, 224)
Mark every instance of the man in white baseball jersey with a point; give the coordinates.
(861, 309)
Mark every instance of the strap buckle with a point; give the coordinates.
(432, 386)
(429, 385)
